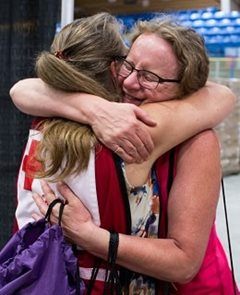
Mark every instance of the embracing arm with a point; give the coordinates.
(178, 120)
(116, 125)
(191, 211)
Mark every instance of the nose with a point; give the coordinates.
(131, 81)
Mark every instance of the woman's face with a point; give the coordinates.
(152, 53)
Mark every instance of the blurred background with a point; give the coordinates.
(28, 26)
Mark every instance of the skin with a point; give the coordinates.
(191, 210)
(124, 125)
(126, 128)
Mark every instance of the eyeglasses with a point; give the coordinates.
(145, 78)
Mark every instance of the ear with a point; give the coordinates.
(113, 69)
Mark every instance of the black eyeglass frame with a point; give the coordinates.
(160, 79)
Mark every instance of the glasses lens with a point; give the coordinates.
(125, 68)
(148, 80)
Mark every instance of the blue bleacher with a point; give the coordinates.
(197, 24)
(207, 15)
(195, 15)
(220, 30)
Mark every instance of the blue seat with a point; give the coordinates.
(213, 31)
(182, 15)
(198, 23)
(230, 29)
(218, 39)
(211, 22)
(226, 40)
(202, 30)
(235, 38)
(225, 22)
(236, 29)
(236, 22)
(186, 23)
(212, 9)
(207, 15)
(219, 14)
(207, 39)
(234, 14)
(195, 15)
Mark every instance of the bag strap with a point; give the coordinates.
(62, 205)
(228, 234)
(50, 208)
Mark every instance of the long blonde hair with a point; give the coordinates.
(79, 61)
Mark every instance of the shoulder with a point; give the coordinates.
(205, 141)
(201, 153)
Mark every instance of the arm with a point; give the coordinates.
(116, 125)
(191, 211)
(178, 120)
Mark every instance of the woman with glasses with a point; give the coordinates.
(171, 200)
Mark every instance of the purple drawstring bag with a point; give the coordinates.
(37, 260)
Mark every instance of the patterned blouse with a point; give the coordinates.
(145, 207)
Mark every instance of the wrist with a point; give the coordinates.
(97, 110)
(96, 241)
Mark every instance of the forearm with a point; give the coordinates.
(206, 107)
(34, 97)
(118, 126)
(210, 105)
(179, 120)
(159, 258)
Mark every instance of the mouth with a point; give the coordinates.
(132, 99)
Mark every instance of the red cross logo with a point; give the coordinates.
(30, 165)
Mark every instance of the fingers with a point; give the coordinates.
(144, 117)
(74, 205)
(48, 193)
(45, 187)
(69, 196)
(135, 148)
(42, 206)
(146, 144)
(128, 152)
(43, 202)
(143, 134)
(125, 155)
(66, 192)
(129, 155)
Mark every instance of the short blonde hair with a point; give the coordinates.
(188, 47)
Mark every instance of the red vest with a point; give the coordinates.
(214, 276)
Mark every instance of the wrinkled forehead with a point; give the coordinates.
(150, 51)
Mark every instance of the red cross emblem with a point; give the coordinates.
(30, 165)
